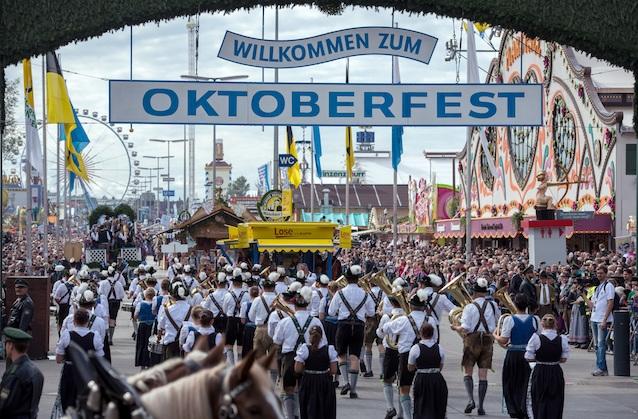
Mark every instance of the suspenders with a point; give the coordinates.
(112, 291)
(301, 331)
(482, 320)
(353, 312)
(237, 301)
(219, 307)
(432, 306)
(268, 310)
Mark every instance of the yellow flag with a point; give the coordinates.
(294, 172)
(59, 110)
(345, 237)
(286, 202)
(349, 153)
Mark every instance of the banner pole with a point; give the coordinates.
(275, 156)
(29, 214)
(44, 175)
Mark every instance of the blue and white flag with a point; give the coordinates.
(397, 131)
(264, 179)
(316, 149)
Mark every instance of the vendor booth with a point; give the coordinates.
(285, 244)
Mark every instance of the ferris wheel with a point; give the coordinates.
(109, 159)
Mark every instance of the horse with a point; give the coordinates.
(173, 369)
(244, 391)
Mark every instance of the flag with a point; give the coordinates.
(294, 172)
(264, 179)
(397, 131)
(33, 140)
(473, 78)
(349, 149)
(316, 149)
(60, 111)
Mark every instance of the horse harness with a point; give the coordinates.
(228, 408)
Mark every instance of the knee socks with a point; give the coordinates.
(368, 360)
(469, 387)
(381, 360)
(388, 393)
(354, 376)
(406, 404)
(289, 406)
(482, 390)
(343, 368)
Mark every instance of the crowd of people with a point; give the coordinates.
(321, 331)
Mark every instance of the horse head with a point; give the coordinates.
(247, 392)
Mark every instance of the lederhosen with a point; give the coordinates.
(219, 322)
(370, 333)
(261, 341)
(69, 379)
(430, 309)
(114, 303)
(288, 359)
(63, 308)
(350, 331)
(478, 345)
(234, 326)
(406, 377)
(391, 358)
(172, 349)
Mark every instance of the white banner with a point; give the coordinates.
(327, 47)
(305, 104)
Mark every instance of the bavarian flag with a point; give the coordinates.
(294, 172)
(60, 111)
(349, 148)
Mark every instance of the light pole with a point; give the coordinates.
(149, 180)
(168, 153)
(158, 158)
(214, 79)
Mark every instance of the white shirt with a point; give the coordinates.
(258, 313)
(318, 294)
(415, 351)
(311, 278)
(403, 328)
(204, 331)
(133, 285)
(178, 312)
(231, 308)
(105, 289)
(273, 321)
(535, 343)
(219, 296)
(604, 293)
(355, 296)
(470, 317)
(63, 293)
(304, 351)
(280, 287)
(189, 281)
(389, 339)
(196, 299)
(443, 304)
(508, 324)
(65, 340)
(56, 284)
(98, 326)
(286, 333)
(544, 298)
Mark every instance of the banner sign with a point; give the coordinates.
(327, 47)
(305, 104)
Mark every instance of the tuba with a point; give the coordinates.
(73, 280)
(362, 282)
(278, 304)
(456, 287)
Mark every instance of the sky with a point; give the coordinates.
(160, 52)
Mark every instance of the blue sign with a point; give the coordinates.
(168, 193)
(287, 160)
(365, 137)
(325, 104)
(327, 47)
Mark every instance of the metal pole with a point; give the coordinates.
(347, 221)
(29, 214)
(275, 157)
(158, 188)
(214, 165)
(44, 175)
(394, 212)
(184, 198)
(168, 185)
(58, 209)
(65, 202)
(312, 178)
(468, 196)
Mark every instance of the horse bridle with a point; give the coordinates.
(228, 408)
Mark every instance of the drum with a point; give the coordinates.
(154, 347)
(127, 307)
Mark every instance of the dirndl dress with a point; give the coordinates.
(317, 398)
(430, 388)
(547, 381)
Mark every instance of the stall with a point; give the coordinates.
(285, 244)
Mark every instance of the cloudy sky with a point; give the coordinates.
(160, 52)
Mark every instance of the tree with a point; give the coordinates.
(126, 210)
(239, 187)
(13, 133)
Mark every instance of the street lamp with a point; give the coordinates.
(214, 79)
(168, 153)
(158, 158)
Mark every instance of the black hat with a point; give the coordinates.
(21, 283)
(480, 285)
(420, 298)
(13, 334)
(353, 273)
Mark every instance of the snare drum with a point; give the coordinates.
(155, 347)
(127, 307)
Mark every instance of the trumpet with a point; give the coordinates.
(461, 295)
(278, 304)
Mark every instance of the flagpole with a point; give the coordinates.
(394, 178)
(29, 214)
(44, 175)
(468, 195)
(57, 194)
(275, 157)
(312, 172)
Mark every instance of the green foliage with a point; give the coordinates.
(13, 132)
(98, 212)
(126, 210)
(517, 219)
(239, 187)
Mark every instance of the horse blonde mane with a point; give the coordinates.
(157, 374)
(184, 398)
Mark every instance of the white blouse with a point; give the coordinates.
(415, 351)
(303, 352)
(535, 343)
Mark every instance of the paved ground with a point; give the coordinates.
(586, 396)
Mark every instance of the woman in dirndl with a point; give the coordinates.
(547, 350)
(317, 365)
(145, 319)
(516, 331)
(430, 389)
(578, 329)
